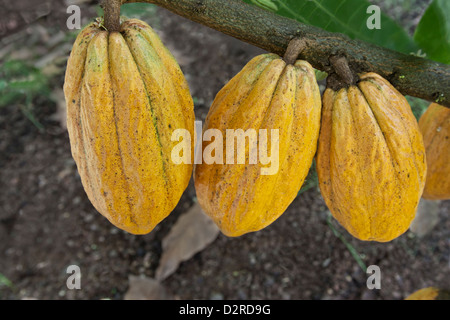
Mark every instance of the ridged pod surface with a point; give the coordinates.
(125, 96)
(371, 161)
(266, 94)
(435, 127)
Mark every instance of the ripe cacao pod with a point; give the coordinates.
(435, 127)
(125, 95)
(371, 160)
(429, 293)
(267, 94)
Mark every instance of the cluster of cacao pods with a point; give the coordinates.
(126, 95)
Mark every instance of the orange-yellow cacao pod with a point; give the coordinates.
(371, 160)
(429, 293)
(435, 127)
(272, 95)
(125, 96)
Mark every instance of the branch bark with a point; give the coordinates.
(411, 75)
(112, 14)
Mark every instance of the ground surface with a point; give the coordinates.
(47, 222)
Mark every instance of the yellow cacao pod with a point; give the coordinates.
(267, 97)
(125, 96)
(371, 160)
(435, 127)
(429, 293)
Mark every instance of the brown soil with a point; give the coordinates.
(47, 222)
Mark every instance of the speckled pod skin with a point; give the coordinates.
(125, 95)
(371, 160)
(266, 94)
(435, 127)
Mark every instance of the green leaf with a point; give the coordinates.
(265, 4)
(20, 83)
(433, 32)
(19, 79)
(138, 10)
(320, 75)
(349, 17)
(349, 246)
(311, 181)
(5, 281)
(418, 106)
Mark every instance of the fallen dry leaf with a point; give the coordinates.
(142, 288)
(61, 112)
(426, 217)
(192, 232)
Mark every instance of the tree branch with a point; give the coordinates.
(112, 14)
(411, 75)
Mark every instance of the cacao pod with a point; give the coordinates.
(371, 160)
(266, 96)
(435, 127)
(125, 95)
(429, 293)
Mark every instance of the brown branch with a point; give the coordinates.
(295, 47)
(343, 71)
(111, 10)
(411, 75)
